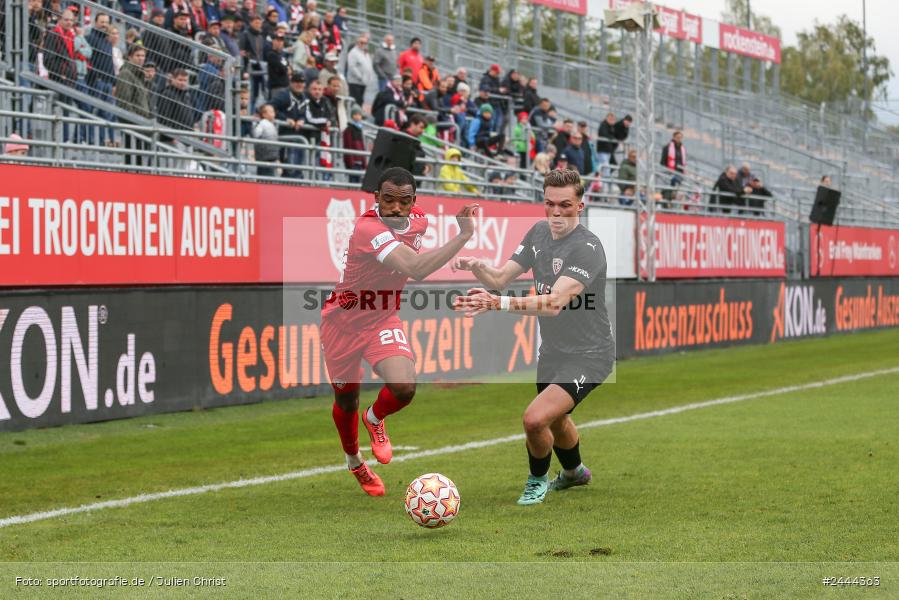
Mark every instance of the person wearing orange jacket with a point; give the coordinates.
(428, 76)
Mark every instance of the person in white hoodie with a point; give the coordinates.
(360, 71)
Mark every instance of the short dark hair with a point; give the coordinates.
(332, 78)
(417, 120)
(415, 39)
(561, 178)
(396, 176)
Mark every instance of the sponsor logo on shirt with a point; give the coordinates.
(519, 249)
(381, 239)
(579, 271)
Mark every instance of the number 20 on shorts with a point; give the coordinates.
(389, 336)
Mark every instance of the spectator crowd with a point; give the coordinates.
(302, 78)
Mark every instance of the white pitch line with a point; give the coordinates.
(241, 483)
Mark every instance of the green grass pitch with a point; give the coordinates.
(761, 498)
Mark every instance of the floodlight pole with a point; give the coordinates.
(645, 125)
(865, 104)
(640, 19)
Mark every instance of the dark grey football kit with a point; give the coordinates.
(577, 349)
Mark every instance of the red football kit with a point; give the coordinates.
(359, 320)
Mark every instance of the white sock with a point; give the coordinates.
(573, 473)
(354, 461)
(370, 416)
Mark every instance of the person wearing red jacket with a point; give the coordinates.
(59, 51)
(333, 40)
(411, 59)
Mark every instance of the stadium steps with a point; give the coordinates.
(759, 122)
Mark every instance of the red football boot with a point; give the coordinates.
(369, 480)
(380, 443)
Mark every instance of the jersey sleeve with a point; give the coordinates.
(373, 237)
(523, 254)
(586, 263)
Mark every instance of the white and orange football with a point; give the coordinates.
(432, 500)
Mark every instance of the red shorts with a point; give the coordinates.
(344, 349)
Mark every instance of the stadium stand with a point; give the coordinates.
(209, 67)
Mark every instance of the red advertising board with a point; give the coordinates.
(679, 24)
(78, 227)
(682, 25)
(578, 7)
(314, 244)
(748, 43)
(68, 226)
(692, 246)
(862, 251)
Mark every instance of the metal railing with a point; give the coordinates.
(792, 115)
(588, 74)
(96, 74)
(481, 180)
(799, 122)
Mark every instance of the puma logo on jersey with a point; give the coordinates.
(591, 245)
(536, 252)
(580, 383)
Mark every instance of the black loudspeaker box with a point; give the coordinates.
(825, 208)
(391, 149)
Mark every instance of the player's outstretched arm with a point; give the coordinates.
(493, 278)
(419, 266)
(480, 300)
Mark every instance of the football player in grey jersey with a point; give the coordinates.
(577, 351)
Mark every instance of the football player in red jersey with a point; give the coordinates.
(359, 319)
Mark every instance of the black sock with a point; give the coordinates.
(539, 466)
(570, 457)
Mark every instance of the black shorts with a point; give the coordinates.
(576, 374)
